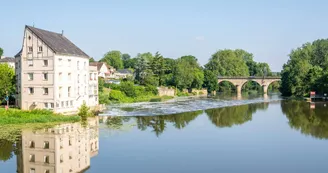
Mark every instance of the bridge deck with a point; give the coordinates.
(248, 77)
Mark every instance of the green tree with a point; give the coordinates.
(101, 84)
(113, 58)
(210, 80)
(126, 58)
(306, 69)
(142, 67)
(1, 51)
(187, 73)
(92, 60)
(157, 65)
(7, 82)
(6, 150)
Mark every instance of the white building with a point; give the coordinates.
(51, 73)
(104, 71)
(7, 60)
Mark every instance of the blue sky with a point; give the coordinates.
(268, 29)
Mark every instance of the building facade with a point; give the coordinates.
(104, 71)
(8, 60)
(66, 148)
(51, 72)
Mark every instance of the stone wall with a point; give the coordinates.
(163, 91)
(198, 92)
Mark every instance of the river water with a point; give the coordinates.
(225, 134)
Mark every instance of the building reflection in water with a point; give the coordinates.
(65, 148)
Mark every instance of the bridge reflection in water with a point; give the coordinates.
(238, 82)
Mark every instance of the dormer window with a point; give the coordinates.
(30, 49)
(40, 49)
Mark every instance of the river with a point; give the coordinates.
(188, 135)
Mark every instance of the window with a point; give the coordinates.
(91, 76)
(45, 91)
(78, 65)
(66, 103)
(45, 76)
(60, 76)
(32, 158)
(46, 145)
(69, 62)
(85, 65)
(31, 90)
(70, 142)
(46, 159)
(51, 105)
(40, 49)
(31, 144)
(60, 61)
(30, 62)
(61, 158)
(60, 92)
(45, 105)
(47, 171)
(32, 170)
(57, 105)
(69, 91)
(78, 78)
(69, 76)
(85, 90)
(30, 49)
(30, 76)
(71, 102)
(45, 63)
(62, 104)
(78, 90)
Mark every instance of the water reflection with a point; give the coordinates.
(237, 115)
(159, 123)
(308, 121)
(63, 148)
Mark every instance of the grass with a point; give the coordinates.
(15, 116)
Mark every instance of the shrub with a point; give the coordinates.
(114, 86)
(152, 89)
(103, 98)
(128, 89)
(83, 111)
(116, 95)
(201, 93)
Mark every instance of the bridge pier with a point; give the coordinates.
(238, 89)
(265, 89)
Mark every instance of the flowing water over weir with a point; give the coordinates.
(179, 105)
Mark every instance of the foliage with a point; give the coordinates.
(101, 84)
(152, 89)
(83, 111)
(119, 96)
(15, 116)
(306, 70)
(157, 65)
(210, 81)
(7, 82)
(113, 58)
(142, 67)
(187, 73)
(130, 63)
(128, 88)
(104, 98)
(92, 60)
(1, 51)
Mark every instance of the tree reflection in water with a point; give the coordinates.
(236, 115)
(309, 121)
(6, 150)
(158, 123)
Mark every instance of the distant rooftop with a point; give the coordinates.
(124, 71)
(57, 42)
(7, 59)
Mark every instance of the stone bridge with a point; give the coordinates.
(240, 81)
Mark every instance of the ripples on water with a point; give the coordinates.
(183, 104)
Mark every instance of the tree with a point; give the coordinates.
(7, 82)
(187, 73)
(306, 69)
(125, 58)
(113, 58)
(142, 67)
(130, 63)
(210, 80)
(92, 60)
(157, 65)
(1, 51)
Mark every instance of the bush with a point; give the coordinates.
(83, 111)
(152, 89)
(116, 95)
(201, 93)
(128, 89)
(114, 86)
(103, 98)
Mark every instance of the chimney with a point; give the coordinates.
(62, 33)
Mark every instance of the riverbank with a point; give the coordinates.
(16, 116)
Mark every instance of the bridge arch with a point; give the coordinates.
(240, 81)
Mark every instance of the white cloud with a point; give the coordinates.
(200, 38)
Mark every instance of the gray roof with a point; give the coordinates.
(7, 59)
(124, 71)
(57, 42)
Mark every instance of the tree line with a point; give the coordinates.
(186, 73)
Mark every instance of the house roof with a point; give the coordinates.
(19, 53)
(7, 59)
(99, 65)
(57, 42)
(124, 71)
